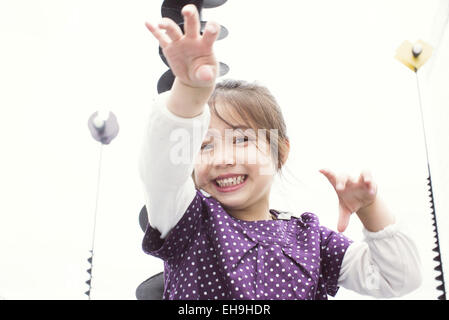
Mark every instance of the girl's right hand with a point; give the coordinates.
(189, 55)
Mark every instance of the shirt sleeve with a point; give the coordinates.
(169, 149)
(333, 249)
(385, 264)
(179, 237)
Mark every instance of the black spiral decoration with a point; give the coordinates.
(172, 9)
(437, 258)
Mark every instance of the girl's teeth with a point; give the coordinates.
(230, 181)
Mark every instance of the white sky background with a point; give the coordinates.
(348, 105)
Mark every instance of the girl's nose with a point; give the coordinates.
(224, 155)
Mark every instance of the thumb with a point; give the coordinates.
(343, 220)
(329, 175)
(204, 73)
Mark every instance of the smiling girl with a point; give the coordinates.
(209, 216)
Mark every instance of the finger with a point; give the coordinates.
(211, 32)
(367, 177)
(343, 220)
(352, 180)
(371, 185)
(329, 175)
(171, 28)
(341, 182)
(191, 21)
(361, 178)
(164, 40)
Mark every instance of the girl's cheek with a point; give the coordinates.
(200, 175)
(247, 155)
(258, 156)
(266, 165)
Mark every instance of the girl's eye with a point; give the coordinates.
(241, 139)
(206, 146)
(238, 140)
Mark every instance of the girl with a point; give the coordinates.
(208, 196)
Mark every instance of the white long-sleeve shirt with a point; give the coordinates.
(385, 264)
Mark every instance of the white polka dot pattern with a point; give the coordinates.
(211, 255)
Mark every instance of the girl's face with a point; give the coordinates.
(237, 152)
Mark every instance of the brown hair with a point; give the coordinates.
(258, 108)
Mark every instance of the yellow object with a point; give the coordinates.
(405, 54)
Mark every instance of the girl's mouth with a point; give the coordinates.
(230, 184)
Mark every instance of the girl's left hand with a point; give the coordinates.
(353, 194)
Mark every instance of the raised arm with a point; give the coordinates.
(191, 59)
(178, 120)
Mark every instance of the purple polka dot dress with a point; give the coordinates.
(211, 255)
